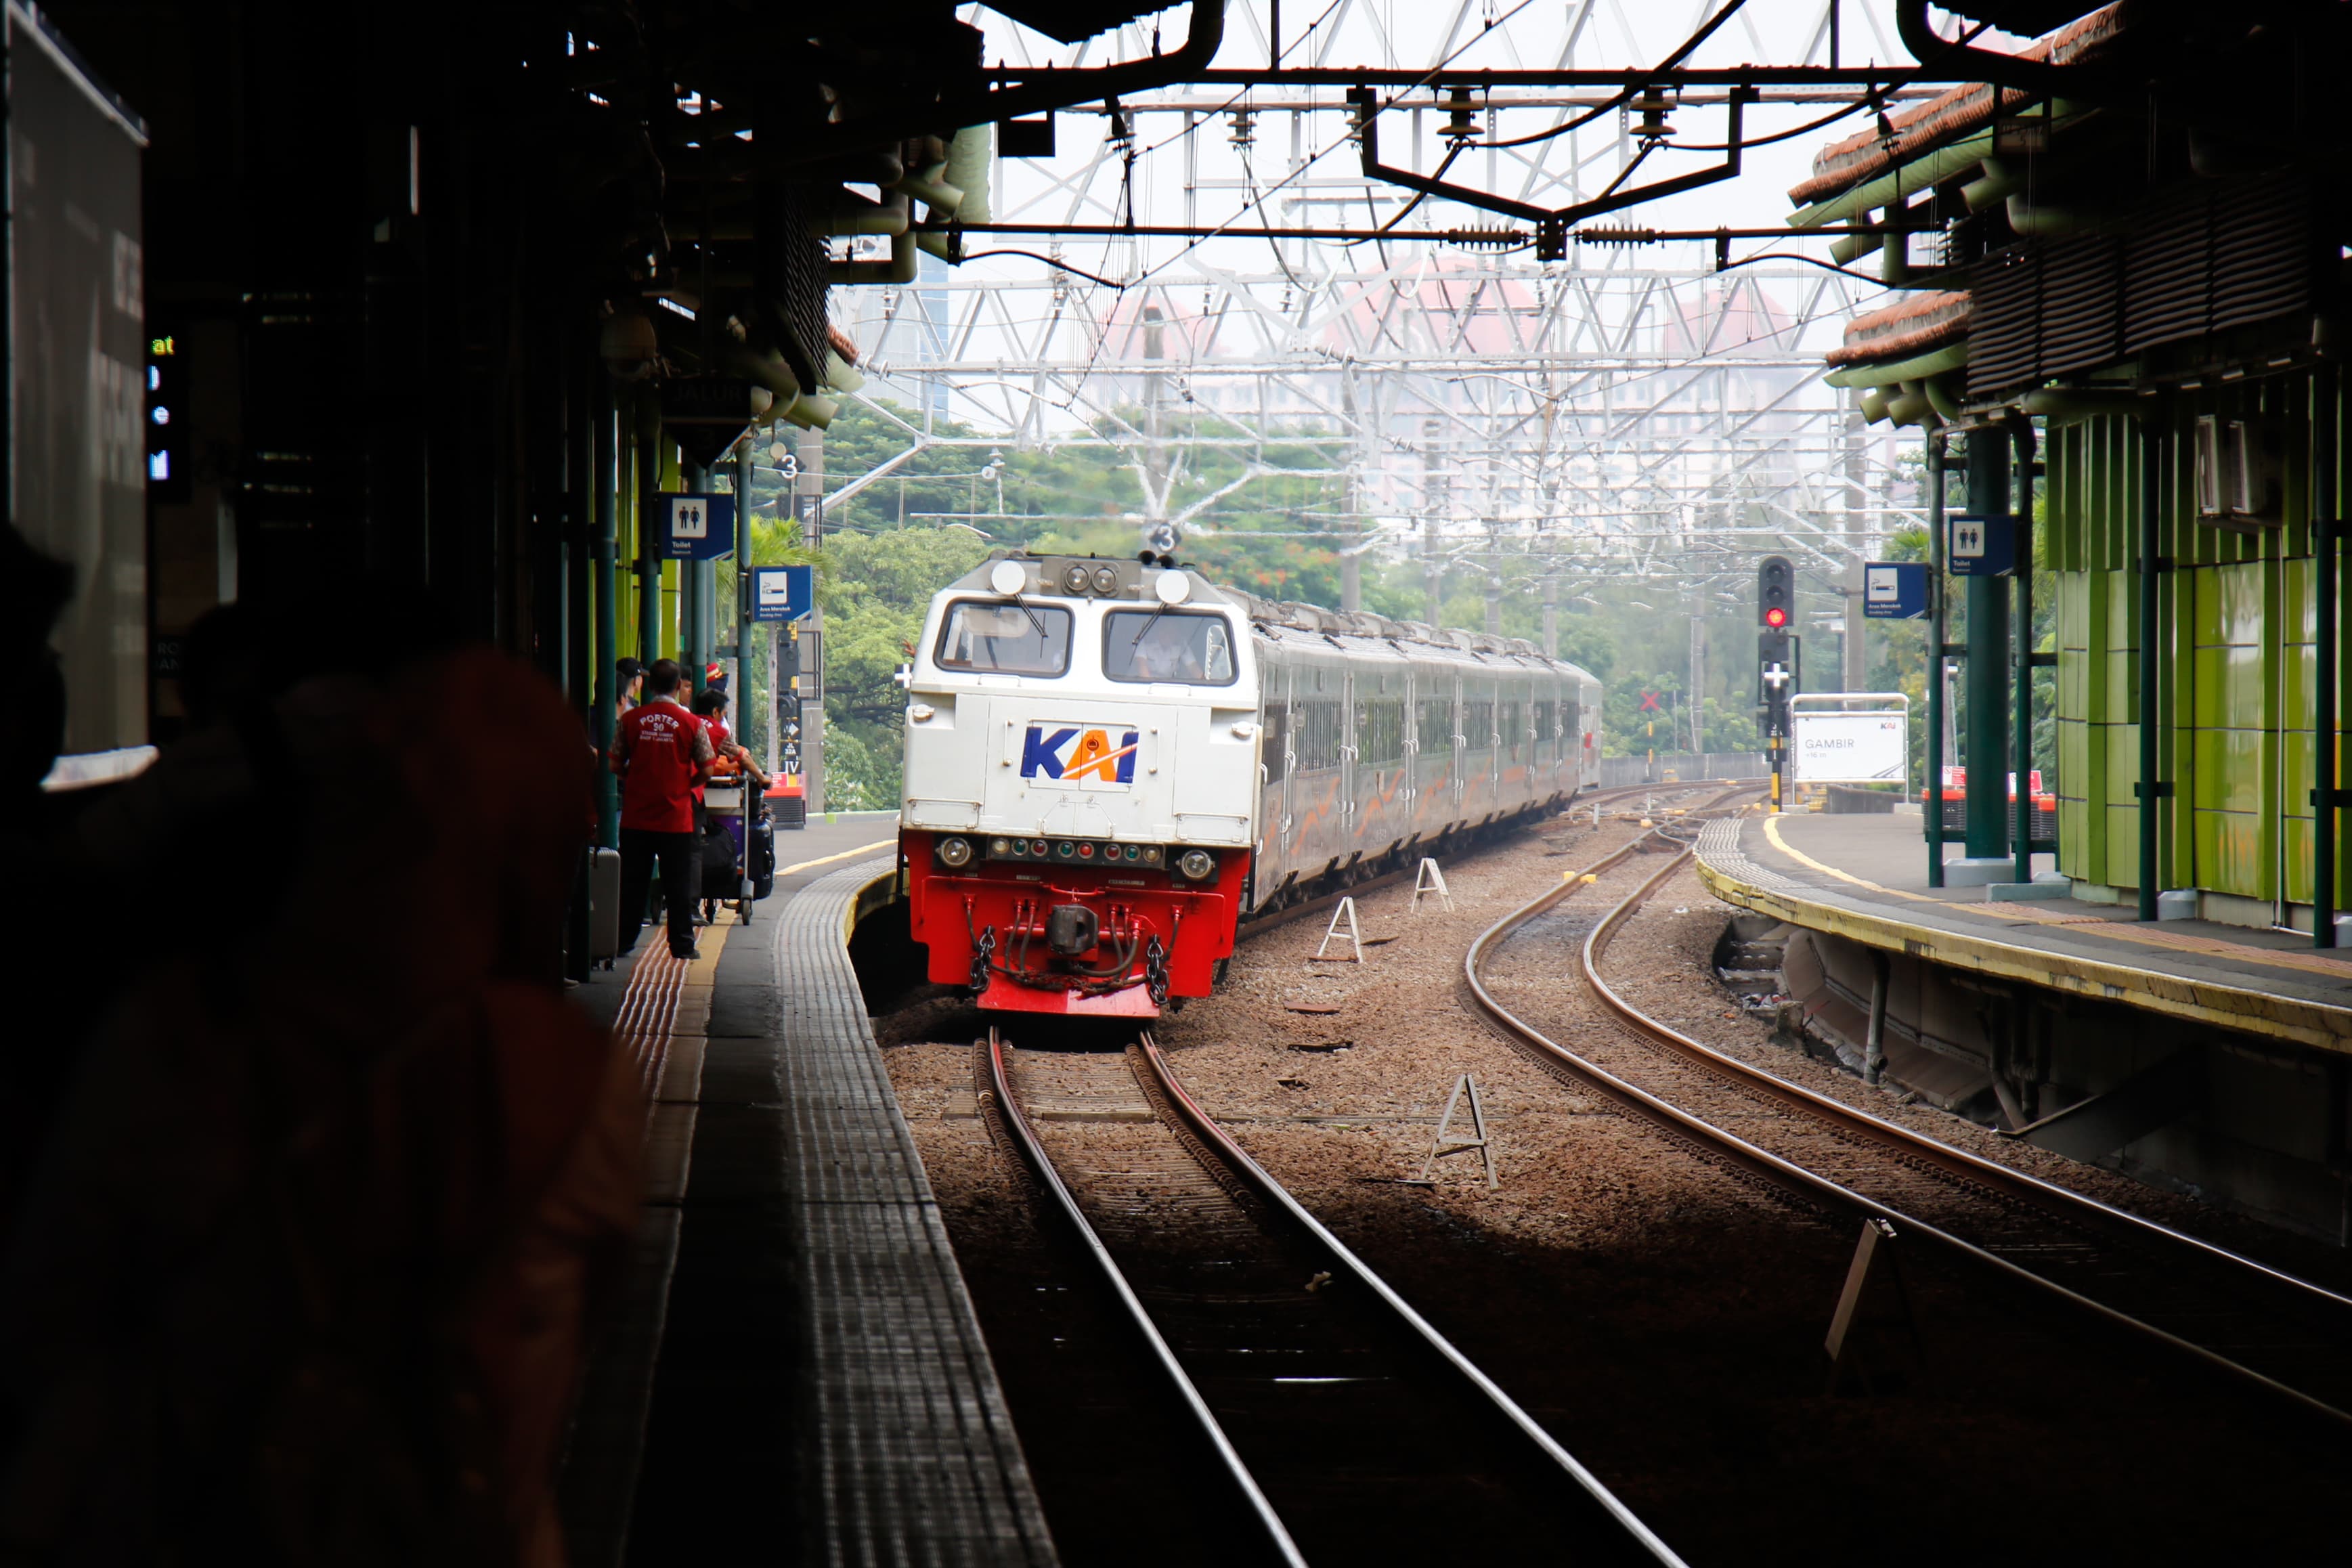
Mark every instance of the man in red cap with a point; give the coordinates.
(661, 755)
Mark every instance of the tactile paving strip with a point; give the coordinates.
(912, 1457)
(1719, 845)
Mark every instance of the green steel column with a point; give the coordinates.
(1939, 629)
(2151, 530)
(2326, 532)
(649, 574)
(2023, 433)
(605, 478)
(741, 683)
(1985, 750)
(693, 646)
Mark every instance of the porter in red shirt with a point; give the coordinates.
(661, 753)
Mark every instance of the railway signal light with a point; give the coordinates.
(1776, 592)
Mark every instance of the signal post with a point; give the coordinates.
(1776, 594)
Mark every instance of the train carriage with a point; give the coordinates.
(1111, 765)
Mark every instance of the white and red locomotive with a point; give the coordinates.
(1110, 765)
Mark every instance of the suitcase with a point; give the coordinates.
(604, 905)
(720, 879)
(763, 853)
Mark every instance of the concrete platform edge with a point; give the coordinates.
(2224, 1007)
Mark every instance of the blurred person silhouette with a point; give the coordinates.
(33, 1062)
(306, 1270)
(663, 758)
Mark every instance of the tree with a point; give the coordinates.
(875, 590)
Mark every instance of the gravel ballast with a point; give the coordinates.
(1662, 1313)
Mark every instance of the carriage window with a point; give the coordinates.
(1190, 647)
(1380, 731)
(1478, 723)
(1317, 745)
(1008, 638)
(1276, 720)
(1435, 726)
(1514, 735)
(1544, 721)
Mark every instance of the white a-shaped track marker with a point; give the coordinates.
(1346, 911)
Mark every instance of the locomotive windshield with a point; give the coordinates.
(1186, 647)
(1007, 638)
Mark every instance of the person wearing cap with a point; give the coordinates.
(663, 756)
(711, 707)
(631, 683)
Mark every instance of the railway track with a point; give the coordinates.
(2275, 1335)
(1345, 1426)
(1616, 794)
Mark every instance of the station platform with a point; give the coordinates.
(795, 1373)
(1866, 878)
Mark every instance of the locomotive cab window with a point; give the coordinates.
(1005, 639)
(1187, 647)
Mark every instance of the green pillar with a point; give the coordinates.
(604, 480)
(1985, 751)
(1939, 632)
(2327, 533)
(694, 646)
(2151, 649)
(2022, 835)
(649, 564)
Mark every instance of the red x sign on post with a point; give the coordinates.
(1650, 702)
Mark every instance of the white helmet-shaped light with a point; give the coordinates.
(1171, 587)
(1008, 577)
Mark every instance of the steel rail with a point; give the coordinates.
(1812, 1184)
(2069, 1203)
(1204, 1127)
(1033, 1151)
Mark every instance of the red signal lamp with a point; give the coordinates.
(1776, 618)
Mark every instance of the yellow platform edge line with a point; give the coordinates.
(2202, 1000)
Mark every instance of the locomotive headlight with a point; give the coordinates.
(1197, 864)
(1075, 579)
(955, 854)
(1106, 579)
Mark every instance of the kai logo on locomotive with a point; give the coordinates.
(1085, 756)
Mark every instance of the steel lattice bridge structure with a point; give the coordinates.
(1216, 265)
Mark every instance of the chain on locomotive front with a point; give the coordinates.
(1082, 776)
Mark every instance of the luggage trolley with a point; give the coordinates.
(739, 847)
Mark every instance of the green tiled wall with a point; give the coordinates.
(2237, 615)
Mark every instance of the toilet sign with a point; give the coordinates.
(1982, 545)
(694, 527)
(1894, 590)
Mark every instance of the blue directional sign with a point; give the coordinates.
(1982, 545)
(1894, 590)
(781, 593)
(694, 527)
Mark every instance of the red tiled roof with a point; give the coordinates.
(1966, 108)
(1922, 322)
